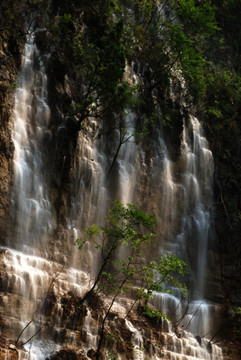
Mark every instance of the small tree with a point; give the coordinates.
(131, 229)
(122, 229)
(160, 276)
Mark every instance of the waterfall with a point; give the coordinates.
(191, 197)
(32, 213)
(32, 260)
(42, 271)
(28, 272)
(197, 179)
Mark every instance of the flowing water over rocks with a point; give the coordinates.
(41, 284)
(31, 208)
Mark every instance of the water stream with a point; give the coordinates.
(31, 209)
(26, 275)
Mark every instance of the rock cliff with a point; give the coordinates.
(74, 85)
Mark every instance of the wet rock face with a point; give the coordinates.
(67, 354)
(63, 143)
(7, 349)
(10, 59)
(8, 353)
(8, 72)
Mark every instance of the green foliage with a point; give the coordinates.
(161, 276)
(130, 228)
(112, 336)
(88, 40)
(16, 17)
(222, 101)
(93, 43)
(198, 18)
(145, 9)
(111, 355)
(190, 39)
(227, 14)
(153, 313)
(236, 315)
(13, 85)
(122, 229)
(191, 61)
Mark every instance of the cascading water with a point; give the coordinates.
(197, 179)
(32, 211)
(28, 272)
(127, 162)
(31, 271)
(192, 198)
